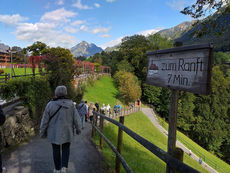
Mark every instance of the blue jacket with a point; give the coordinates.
(82, 109)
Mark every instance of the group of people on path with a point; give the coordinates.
(62, 119)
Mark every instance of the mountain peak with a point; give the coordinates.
(85, 49)
(84, 43)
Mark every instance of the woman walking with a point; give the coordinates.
(91, 109)
(58, 122)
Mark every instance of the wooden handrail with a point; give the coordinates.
(164, 156)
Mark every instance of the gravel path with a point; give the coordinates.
(152, 116)
(35, 156)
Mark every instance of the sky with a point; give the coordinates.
(66, 23)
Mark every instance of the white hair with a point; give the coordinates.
(61, 91)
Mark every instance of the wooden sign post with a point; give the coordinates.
(186, 68)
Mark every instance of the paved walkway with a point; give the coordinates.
(152, 116)
(35, 156)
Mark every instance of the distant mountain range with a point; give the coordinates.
(184, 33)
(177, 31)
(85, 49)
(221, 40)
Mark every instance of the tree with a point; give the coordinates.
(128, 86)
(133, 49)
(220, 58)
(19, 55)
(60, 67)
(38, 48)
(211, 124)
(203, 7)
(157, 42)
(81, 58)
(185, 114)
(124, 65)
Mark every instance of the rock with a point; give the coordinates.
(18, 107)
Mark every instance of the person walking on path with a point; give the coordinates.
(97, 106)
(58, 122)
(2, 121)
(86, 115)
(103, 108)
(91, 109)
(108, 110)
(83, 111)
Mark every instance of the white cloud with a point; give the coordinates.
(84, 28)
(79, 5)
(119, 40)
(59, 15)
(112, 43)
(44, 32)
(12, 19)
(71, 29)
(77, 22)
(110, 0)
(100, 30)
(178, 4)
(105, 36)
(150, 31)
(97, 5)
(60, 2)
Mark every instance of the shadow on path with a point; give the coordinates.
(35, 156)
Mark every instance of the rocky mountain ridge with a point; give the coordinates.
(85, 49)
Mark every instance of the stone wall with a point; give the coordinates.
(79, 80)
(18, 127)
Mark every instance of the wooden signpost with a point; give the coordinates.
(186, 68)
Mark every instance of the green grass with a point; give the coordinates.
(208, 157)
(139, 158)
(102, 91)
(19, 71)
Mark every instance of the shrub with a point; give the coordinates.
(34, 93)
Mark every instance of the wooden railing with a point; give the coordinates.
(4, 77)
(164, 156)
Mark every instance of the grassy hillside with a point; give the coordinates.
(103, 91)
(139, 158)
(208, 157)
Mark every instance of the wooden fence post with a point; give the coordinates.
(101, 128)
(178, 154)
(172, 125)
(6, 76)
(119, 144)
(93, 123)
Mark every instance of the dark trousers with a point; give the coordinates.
(61, 159)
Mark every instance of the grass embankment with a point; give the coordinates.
(139, 158)
(208, 157)
(102, 91)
